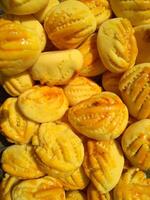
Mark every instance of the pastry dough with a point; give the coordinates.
(57, 67)
(16, 127)
(43, 103)
(135, 143)
(81, 88)
(69, 24)
(142, 35)
(46, 188)
(58, 150)
(101, 117)
(17, 84)
(75, 195)
(117, 45)
(22, 7)
(103, 164)
(92, 65)
(138, 12)
(18, 160)
(133, 185)
(19, 47)
(135, 90)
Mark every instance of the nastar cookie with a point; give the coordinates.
(75, 195)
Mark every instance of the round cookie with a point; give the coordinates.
(103, 164)
(75, 195)
(14, 126)
(69, 24)
(100, 117)
(135, 144)
(43, 104)
(117, 45)
(18, 160)
(135, 90)
(79, 89)
(138, 12)
(58, 150)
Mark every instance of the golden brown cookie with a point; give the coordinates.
(136, 142)
(19, 47)
(22, 7)
(43, 104)
(69, 24)
(133, 185)
(75, 195)
(14, 126)
(18, 160)
(117, 45)
(103, 164)
(17, 84)
(101, 117)
(135, 90)
(142, 35)
(57, 67)
(46, 188)
(92, 65)
(81, 88)
(58, 150)
(138, 12)
(94, 194)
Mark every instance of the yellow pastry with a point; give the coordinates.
(18, 160)
(58, 150)
(41, 15)
(57, 67)
(22, 7)
(76, 181)
(92, 65)
(94, 194)
(46, 188)
(110, 82)
(19, 47)
(133, 185)
(81, 88)
(75, 195)
(135, 144)
(14, 126)
(117, 45)
(142, 35)
(103, 164)
(43, 103)
(100, 117)
(17, 84)
(138, 12)
(69, 24)
(135, 90)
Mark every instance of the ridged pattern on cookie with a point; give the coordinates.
(75, 195)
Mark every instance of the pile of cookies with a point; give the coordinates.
(78, 114)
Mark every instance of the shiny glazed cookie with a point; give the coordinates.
(19, 47)
(14, 126)
(22, 7)
(81, 88)
(75, 195)
(142, 34)
(69, 24)
(135, 90)
(94, 194)
(133, 185)
(57, 67)
(58, 150)
(92, 65)
(46, 188)
(103, 164)
(138, 12)
(43, 104)
(18, 160)
(136, 142)
(17, 84)
(118, 35)
(101, 117)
